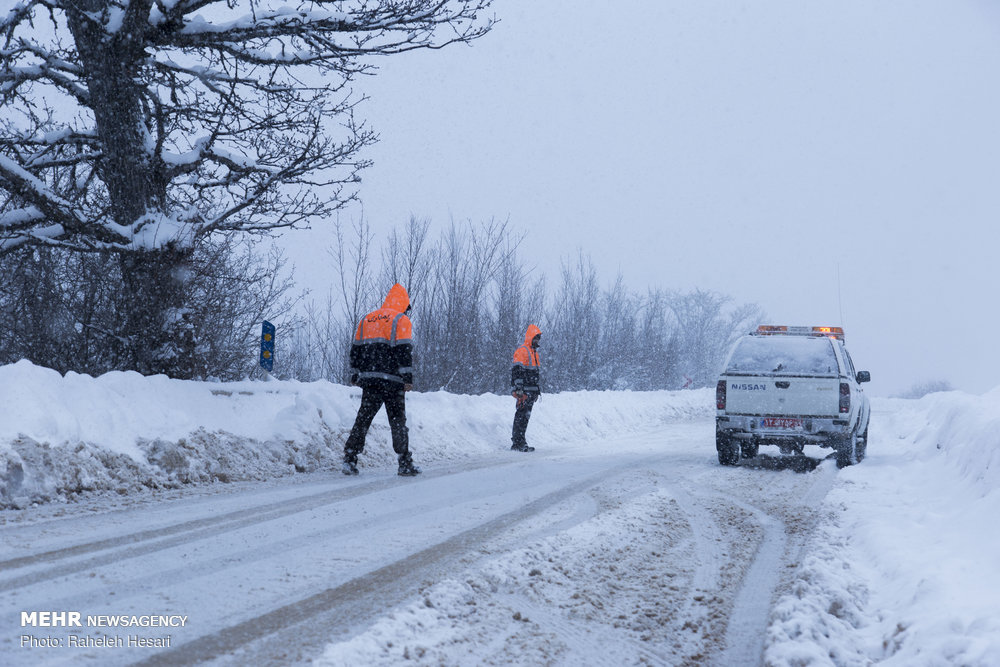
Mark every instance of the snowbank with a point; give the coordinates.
(67, 435)
(905, 569)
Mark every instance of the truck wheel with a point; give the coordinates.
(861, 448)
(729, 451)
(847, 447)
(749, 449)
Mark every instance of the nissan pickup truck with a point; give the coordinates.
(790, 387)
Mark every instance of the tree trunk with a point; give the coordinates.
(152, 279)
(157, 331)
(135, 183)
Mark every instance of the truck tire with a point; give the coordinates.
(861, 448)
(728, 449)
(847, 450)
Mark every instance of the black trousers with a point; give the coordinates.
(521, 417)
(375, 394)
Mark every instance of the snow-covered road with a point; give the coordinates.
(631, 551)
(208, 514)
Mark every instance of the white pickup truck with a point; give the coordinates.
(791, 387)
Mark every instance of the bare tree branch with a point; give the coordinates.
(200, 104)
(147, 127)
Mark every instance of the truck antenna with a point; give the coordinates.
(840, 302)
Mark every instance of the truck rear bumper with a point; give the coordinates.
(813, 430)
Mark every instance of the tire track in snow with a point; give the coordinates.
(785, 526)
(720, 543)
(144, 542)
(611, 579)
(359, 599)
(748, 619)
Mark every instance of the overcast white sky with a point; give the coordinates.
(758, 149)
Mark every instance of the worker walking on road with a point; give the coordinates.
(382, 365)
(525, 385)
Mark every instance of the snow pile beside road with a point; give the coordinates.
(965, 429)
(906, 568)
(66, 435)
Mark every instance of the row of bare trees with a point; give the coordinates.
(473, 297)
(472, 294)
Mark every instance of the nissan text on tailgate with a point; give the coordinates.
(791, 387)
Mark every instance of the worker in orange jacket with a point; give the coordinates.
(525, 385)
(382, 365)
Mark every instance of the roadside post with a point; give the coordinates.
(267, 348)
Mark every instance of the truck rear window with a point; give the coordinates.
(783, 355)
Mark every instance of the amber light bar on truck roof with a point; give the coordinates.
(771, 330)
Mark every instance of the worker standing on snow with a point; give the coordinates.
(524, 380)
(382, 365)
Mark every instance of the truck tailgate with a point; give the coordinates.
(783, 395)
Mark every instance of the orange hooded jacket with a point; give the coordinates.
(524, 375)
(383, 342)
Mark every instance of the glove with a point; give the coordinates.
(521, 397)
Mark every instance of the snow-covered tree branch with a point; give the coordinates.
(196, 111)
(145, 126)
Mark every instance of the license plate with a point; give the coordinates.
(781, 422)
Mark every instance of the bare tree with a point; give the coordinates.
(64, 310)
(407, 260)
(574, 324)
(234, 287)
(317, 349)
(454, 312)
(655, 366)
(517, 301)
(138, 127)
(706, 330)
(353, 263)
(617, 345)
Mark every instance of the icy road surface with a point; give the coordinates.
(634, 551)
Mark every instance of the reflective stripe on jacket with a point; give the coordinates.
(383, 342)
(525, 374)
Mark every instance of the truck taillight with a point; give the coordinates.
(720, 395)
(845, 398)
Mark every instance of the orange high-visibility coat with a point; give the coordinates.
(383, 342)
(525, 374)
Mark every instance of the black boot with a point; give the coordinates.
(406, 467)
(523, 447)
(350, 466)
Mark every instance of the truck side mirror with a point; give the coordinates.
(864, 376)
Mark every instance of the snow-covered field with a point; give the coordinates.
(620, 541)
